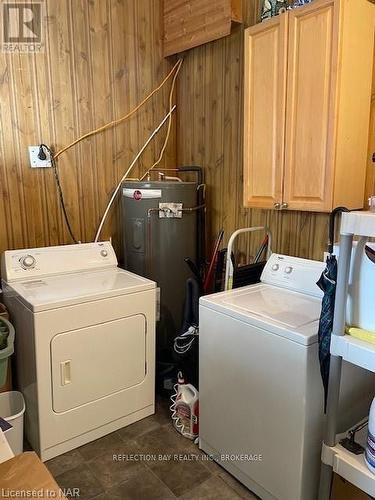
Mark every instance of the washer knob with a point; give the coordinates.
(275, 267)
(103, 253)
(27, 262)
(288, 270)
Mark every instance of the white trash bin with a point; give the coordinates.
(12, 409)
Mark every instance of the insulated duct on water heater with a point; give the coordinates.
(163, 225)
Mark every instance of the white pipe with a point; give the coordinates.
(128, 171)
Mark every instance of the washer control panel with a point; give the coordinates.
(294, 273)
(37, 262)
(27, 261)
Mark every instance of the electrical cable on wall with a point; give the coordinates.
(54, 156)
(178, 67)
(128, 172)
(59, 189)
(125, 117)
(169, 117)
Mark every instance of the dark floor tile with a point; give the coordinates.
(80, 477)
(239, 488)
(65, 462)
(162, 411)
(214, 488)
(232, 482)
(144, 486)
(138, 428)
(164, 440)
(114, 467)
(100, 446)
(208, 462)
(180, 475)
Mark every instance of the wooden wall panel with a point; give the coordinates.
(101, 58)
(209, 133)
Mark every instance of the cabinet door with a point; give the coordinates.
(309, 151)
(264, 117)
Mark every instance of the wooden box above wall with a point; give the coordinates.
(189, 23)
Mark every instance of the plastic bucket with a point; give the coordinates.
(12, 409)
(6, 327)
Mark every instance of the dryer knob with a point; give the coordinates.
(275, 267)
(288, 270)
(104, 253)
(28, 262)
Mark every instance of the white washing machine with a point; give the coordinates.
(85, 343)
(260, 391)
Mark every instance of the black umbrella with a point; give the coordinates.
(327, 283)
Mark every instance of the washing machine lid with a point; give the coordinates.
(291, 314)
(63, 290)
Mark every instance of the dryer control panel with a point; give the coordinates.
(47, 261)
(293, 273)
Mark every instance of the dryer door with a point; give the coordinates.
(97, 361)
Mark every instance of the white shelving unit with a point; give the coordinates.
(349, 466)
(358, 352)
(358, 223)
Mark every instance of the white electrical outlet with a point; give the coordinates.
(35, 162)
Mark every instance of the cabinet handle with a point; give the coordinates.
(277, 206)
(284, 206)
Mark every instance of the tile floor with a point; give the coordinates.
(92, 469)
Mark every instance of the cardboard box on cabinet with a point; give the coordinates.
(343, 490)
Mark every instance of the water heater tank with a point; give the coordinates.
(160, 231)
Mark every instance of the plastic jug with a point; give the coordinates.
(185, 408)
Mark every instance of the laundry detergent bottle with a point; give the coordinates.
(370, 446)
(185, 408)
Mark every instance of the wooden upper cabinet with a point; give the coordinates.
(309, 154)
(319, 133)
(265, 81)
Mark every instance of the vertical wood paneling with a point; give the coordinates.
(84, 106)
(101, 69)
(101, 57)
(219, 104)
